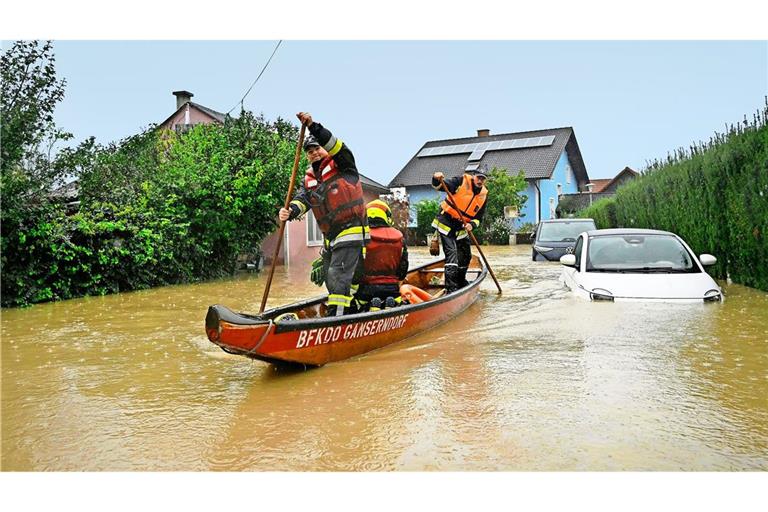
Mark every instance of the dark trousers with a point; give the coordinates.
(343, 268)
(457, 256)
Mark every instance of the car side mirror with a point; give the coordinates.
(707, 259)
(569, 260)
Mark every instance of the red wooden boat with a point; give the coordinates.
(314, 340)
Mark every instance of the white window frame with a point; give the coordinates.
(552, 208)
(312, 222)
(568, 172)
(559, 190)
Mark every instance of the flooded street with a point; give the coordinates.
(533, 380)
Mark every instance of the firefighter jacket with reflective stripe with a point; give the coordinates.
(466, 202)
(384, 257)
(332, 189)
(336, 203)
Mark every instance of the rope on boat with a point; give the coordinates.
(263, 337)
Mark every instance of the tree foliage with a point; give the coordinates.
(158, 207)
(503, 190)
(426, 211)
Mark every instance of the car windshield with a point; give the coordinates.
(639, 254)
(563, 231)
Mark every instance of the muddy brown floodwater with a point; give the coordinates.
(535, 379)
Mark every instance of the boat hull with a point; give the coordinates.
(317, 341)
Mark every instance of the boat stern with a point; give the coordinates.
(234, 332)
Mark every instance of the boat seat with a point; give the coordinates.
(439, 293)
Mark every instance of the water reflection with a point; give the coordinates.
(532, 380)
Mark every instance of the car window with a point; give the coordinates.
(639, 253)
(577, 252)
(563, 231)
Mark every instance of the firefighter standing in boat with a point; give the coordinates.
(386, 261)
(333, 191)
(455, 220)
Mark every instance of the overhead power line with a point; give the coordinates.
(257, 78)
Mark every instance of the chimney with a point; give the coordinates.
(182, 98)
(484, 132)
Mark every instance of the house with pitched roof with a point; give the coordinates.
(189, 113)
(550, 159)
(570, 204)
(610, 185)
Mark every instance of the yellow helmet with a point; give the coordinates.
(378, 209)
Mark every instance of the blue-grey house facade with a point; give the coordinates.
(550, 159)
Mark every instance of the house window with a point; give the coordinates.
(314, 235)
(559, 190)
(568, 173)
(551, 207)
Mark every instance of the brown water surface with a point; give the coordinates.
(533, 380)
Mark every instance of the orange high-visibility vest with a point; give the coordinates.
(466, 200)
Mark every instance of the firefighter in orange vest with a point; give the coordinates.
(386, 260)
(455, 220)
(332, 190)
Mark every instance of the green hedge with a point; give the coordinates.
(603, 212)
(158, 208)
(714, 195)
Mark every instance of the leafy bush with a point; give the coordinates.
(156, 208)
(526, 227)
(497, 232)
(503, 190)
(603, 212)
(426, 211)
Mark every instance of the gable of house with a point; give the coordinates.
(188, 113)
(599, 185)
(620, 179)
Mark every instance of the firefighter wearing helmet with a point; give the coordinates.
(386, 260)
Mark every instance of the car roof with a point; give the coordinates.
(627, 231)
(548, 221)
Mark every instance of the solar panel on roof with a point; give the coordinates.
(472, 167)
(477, 149)
(477, 154)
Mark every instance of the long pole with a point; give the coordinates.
(472, 236)
(281, 230)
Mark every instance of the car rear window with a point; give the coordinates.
(563, 231)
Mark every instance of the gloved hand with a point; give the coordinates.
(317, 274)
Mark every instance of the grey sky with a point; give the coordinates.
(628, 102)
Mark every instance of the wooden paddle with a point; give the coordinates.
(281, 230)
(471, 235)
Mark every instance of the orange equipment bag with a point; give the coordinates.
(413, 294)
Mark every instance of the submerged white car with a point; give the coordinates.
(638, 265)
